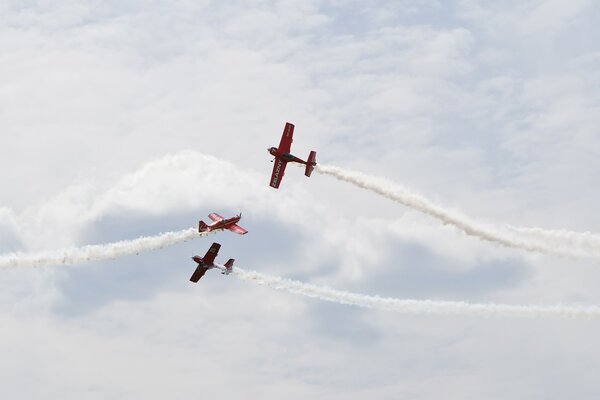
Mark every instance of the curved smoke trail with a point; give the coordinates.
(582, 241)
(97, 252)
(417, 307)
(407, 306)
(562, 243)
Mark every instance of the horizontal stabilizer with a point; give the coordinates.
(229, 266)
(310, 163)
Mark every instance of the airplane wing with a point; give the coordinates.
(209, 258)
(277, 174)
(286, 138)
(237, 229)
(215, 217)
(198, 273)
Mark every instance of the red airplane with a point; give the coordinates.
(221, 223)
(282, 157)
(208, 262)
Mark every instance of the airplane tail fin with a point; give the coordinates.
(310, 163)
(229, 266)
(202, 227)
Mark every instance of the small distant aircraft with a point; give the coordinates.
(208, 262)
(282, 157)
(221, 223)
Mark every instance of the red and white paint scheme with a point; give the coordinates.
(282, 157)
(221, 223)
(208, 262)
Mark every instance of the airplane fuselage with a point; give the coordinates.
(208, 262)
(203, 265)
(283, 157)
(220, 223)
(286, 157)
(224, 223)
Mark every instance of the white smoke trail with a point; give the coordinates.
(582, 241)
(406, 306)
(534, 240)
(97, 252)
(417, 307)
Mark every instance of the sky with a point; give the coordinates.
(120, 119)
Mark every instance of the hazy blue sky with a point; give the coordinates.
(128, 118)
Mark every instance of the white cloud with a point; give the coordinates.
(485, 106)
